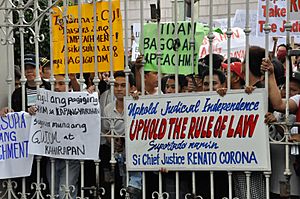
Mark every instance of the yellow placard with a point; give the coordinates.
(88, 46)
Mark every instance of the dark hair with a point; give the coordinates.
(122, 74)
(282, 45)
(219, 73)
(232, 59)
(256, 54)
(181, 80)
(17, 72)
(278, 72)
(217, 60)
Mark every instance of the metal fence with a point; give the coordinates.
(24, 22)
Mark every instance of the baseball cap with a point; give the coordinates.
(235, 67)
(29, 60)
(44, 62)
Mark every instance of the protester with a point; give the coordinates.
(60, 164)
(46, 70)
(237, 76)
(30, 86)
(277, 134)
(218, 80)
(114, 113)
(171, 85)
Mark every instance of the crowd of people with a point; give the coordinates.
(112, 111)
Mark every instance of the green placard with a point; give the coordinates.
(169, 44)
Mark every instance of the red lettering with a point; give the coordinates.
(162, 129)
(177, 128)
(182, 135)
(131, 133)
(140, 125)
(294, 7)
(235, 34)
(250, 123)
(203, 124)
(200, 127)
(239, 127)
(192, 128)
(218, 127)
(153, 129)
(146, 129)
(273, 27)
(209, 126)
(274, 12)
(261, 25)
(171, 123)
(230, 129)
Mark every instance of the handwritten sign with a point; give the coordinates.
(197, 132)
(88, 38)
(66, 125)
(237, 48)
(278, 17)
(14, 134)
(169, 44)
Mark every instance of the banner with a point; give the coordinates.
(169, 44)
(66, 125)
(278, 17)
(88, 48)
(136, 30)
(14, 134)
(237, 48)
(198, 132)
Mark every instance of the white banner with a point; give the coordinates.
(278, 17)
(66, 125)
(197, 132)
(14, 134)
(136, 30)
(220, 44)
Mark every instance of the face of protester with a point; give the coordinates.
(294, 90)
(281, 53)
(59, 85)
(216, 83)
(191, 85)
(30, 73)
(171, 86)
(151, 79)
(120, 88)
(46, 73)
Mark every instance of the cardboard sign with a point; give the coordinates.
(237, 48)
(169, 44)
(278, 17)
(198, 132)
(88, 38)
(66, 125)
(14, 134)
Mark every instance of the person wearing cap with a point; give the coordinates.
(30, 85)
(236, 76)
(46, 71)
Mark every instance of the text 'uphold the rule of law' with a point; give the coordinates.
(197, 132)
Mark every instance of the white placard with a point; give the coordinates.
(278, 17)
(239, 20)
(136, 30)
(14, 134)
(237, 48)
(200, 131)
(66, 125)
